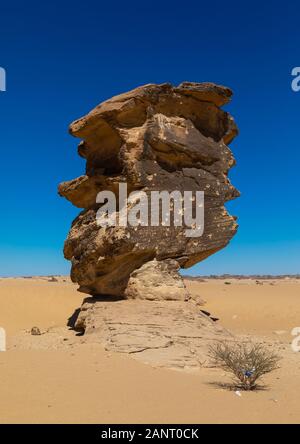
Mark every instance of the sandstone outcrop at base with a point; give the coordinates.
(161, 333)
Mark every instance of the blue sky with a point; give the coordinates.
(63, 58)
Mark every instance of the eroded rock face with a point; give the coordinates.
(154, 138)
(160, 333)
(157, 281)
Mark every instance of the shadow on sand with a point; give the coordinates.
(234, 386)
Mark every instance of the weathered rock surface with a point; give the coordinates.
(156, 137)
(157, 280)
(161, 333)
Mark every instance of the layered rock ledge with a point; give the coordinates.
(163, 334)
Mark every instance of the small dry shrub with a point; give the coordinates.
(247, 362)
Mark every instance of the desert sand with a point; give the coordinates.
(84, 383)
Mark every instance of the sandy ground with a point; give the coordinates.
(87, 384)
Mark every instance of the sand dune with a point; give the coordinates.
(84, 383)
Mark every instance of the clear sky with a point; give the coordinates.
(63, 58)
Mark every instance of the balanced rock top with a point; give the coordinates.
(153, 138)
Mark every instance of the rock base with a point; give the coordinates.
(161, 333)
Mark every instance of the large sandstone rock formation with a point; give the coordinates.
(156, 137)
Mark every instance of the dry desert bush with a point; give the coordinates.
(247, 362)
